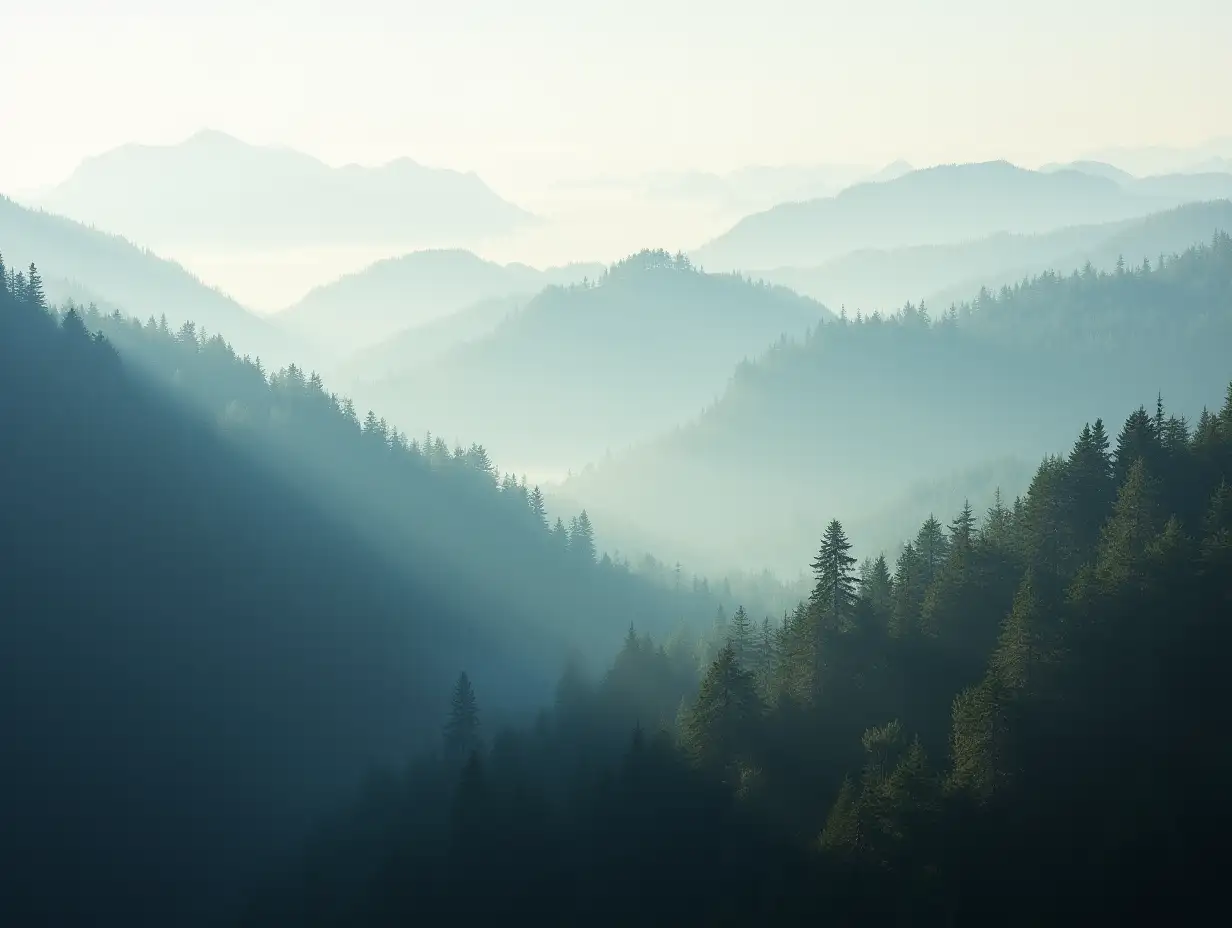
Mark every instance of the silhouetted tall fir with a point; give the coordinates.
(462, 727)
(740, 637)
(538, 509)
(720, 725)
(834, 591)
(34, 294)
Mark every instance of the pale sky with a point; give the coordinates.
(529, 91)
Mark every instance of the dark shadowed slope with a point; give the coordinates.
(361, 309)
(93, 266)
(950, 203)
(213, 189)
(588, 368)
(884, 279)
(223, 597)
(193, 659)
(861, 410)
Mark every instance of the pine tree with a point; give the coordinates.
(998, 522)
(932, 549)
(34, 289)
(1137, 440)
(1022, 649)
(1090, 475)
(1132, 527)
(538, 508)
(560, 535)
(835, 589)
(582, 538)
(719, 726)
(877, 588)
(740, 637)
(908, 593)
(962, 529)
(462, 727)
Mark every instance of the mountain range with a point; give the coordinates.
(216, 190)
(943, 205)
(885, 279)
(585, 369)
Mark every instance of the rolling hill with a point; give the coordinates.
(585, 369)
(91, 266)
(940, 205)
(213, 189)
(362, 309)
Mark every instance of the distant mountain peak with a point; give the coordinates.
(212, 137)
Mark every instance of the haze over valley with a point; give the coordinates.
(614, 467)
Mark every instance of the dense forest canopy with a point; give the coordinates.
(1019, 707)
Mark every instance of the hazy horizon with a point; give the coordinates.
(541, 102)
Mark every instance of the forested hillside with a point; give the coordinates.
(225, 596)
(864, 407)
(88, 265)
(1013, 723)
(587, 369)
(194, 661)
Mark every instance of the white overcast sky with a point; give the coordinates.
(528, 90)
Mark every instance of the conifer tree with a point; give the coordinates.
(560, 534)
(538, 508)
(1022, 649)
(740, 637)
(962, 529)
(582, 538)
(908, 593)
(462, 726)
(1137, 440)
(931, 547)
(719, 726)
(34, 295)
(835, 589)
(1132, 526)
(997, 522)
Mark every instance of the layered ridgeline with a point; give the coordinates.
(92, 266)
(224, 596)
(946, 204)
(1025, 694)
(215, 190)
(394, 296)
(420, 344)
(586, 369)
(864, 408)
(884, 279)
